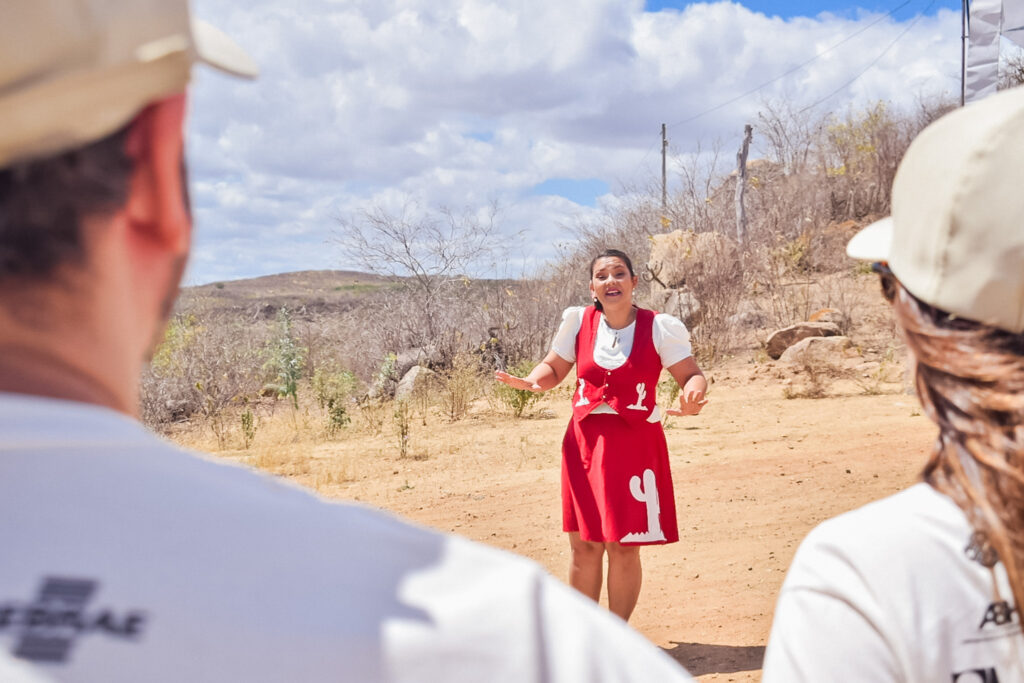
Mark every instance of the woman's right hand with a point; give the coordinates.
(516, 382)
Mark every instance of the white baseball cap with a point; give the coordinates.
(955, 238)
(74, 71)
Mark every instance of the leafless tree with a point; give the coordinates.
(431, 253)
(790, 134)
(1011, 70)
(432, 246)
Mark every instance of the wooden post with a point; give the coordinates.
(664, 179)
(741, 183)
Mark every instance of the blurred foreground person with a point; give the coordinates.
(924, 585)
(126, 559)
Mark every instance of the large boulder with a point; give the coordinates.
(678, 302)
(409, 358)
(827, 351)
(417, 376)
(780, 340)
(386, 383)
(683, 255)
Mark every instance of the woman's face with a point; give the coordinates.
(611, 283)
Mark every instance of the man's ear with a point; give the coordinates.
(157, 208)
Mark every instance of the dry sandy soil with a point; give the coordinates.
(753, 474)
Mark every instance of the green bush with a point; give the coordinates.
(248, 428)
(517, 401)
(286, 359)
(333, 389)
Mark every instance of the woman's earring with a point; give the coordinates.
(595, 299)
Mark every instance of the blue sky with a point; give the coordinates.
(552, 110)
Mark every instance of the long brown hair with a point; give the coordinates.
(970, 379)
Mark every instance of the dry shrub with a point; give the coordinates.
(372, 415)
(461, 384)
(203, 368)
(818, 371)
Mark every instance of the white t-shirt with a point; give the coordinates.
(127, 559)
(612, 347)
(888, 593)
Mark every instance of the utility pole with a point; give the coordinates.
(965, 23)
(664, 179)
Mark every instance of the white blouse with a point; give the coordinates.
(612, 347)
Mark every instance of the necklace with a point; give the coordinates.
(614, 332)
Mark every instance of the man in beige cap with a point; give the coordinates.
(126, 559)
(925, 585)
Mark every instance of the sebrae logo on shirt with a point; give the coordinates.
(988, 675)
(46, 628)
(999, 613)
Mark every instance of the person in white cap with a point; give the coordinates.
(127, 559)
(925, 585)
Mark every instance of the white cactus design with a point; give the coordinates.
(641, 394)
(647, 494)
(583, 399)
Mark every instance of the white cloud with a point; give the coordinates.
(462, 102)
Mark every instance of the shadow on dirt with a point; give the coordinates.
(700, 659)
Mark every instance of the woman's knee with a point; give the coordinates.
(622, 553)
(585, 549)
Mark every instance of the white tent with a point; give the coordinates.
(986, 22)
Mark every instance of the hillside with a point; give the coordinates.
(312, 290)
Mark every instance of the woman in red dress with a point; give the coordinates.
(616, 485)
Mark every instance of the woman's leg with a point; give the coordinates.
(586, 566)
(624, 577)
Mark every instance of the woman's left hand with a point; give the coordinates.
(690, 403)
(520, 383)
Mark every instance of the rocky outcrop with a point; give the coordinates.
(682, 262)
(683, 255)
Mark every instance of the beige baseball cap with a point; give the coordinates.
(955, 239)
(74, 71)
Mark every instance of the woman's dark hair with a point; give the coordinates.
(610, 253)
(43, 202)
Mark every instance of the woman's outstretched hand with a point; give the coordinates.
(516, 382)
(690, 403)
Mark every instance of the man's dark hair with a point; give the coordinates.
(43, 202)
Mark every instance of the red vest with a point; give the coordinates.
(630, 390)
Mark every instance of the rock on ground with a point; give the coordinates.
(780, 340)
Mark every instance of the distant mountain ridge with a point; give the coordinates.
(314, 290)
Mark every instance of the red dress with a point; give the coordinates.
(616, 483)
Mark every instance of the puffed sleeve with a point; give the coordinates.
(671, 339)
(564, 343)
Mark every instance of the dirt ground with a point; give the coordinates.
(753, 474)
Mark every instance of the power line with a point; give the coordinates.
(798, 66)
(888, 47)
(650, 149)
